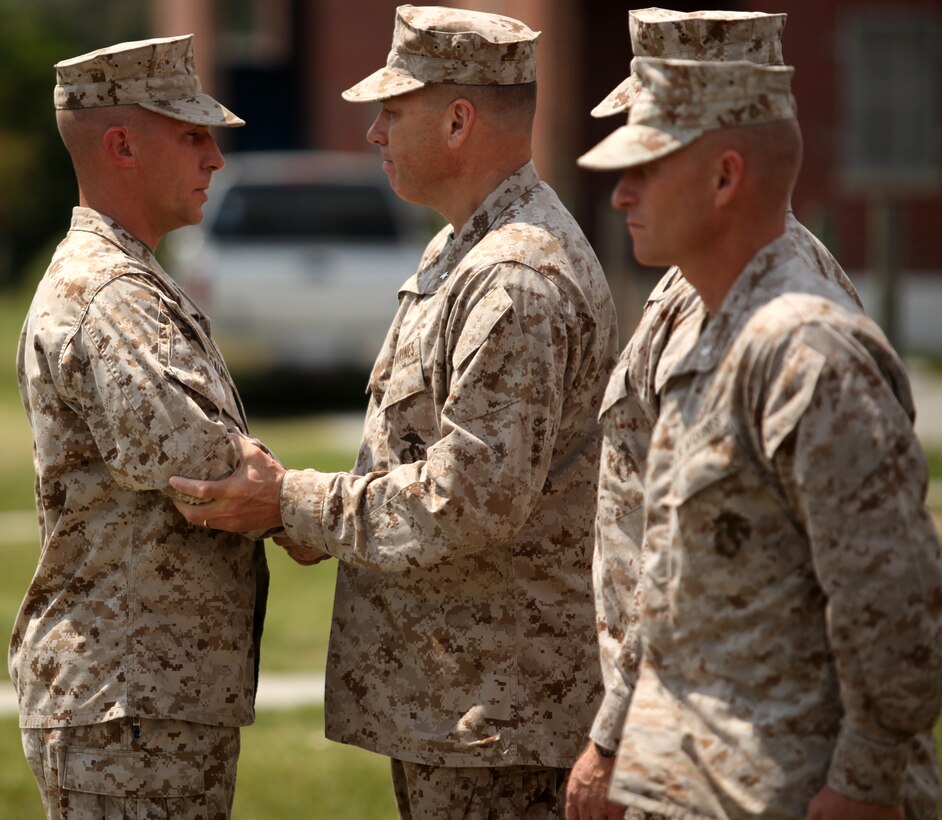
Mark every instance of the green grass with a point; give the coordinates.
(19, 796)
(310, 441)
(16, 460)
(289, 770)
(934, 457)
(297, 626)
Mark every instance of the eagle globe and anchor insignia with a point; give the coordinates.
(415, 451)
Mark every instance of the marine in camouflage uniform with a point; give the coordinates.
(668, 327)
(459, 639)
(780, 474)
(135, 651)
(465, 568)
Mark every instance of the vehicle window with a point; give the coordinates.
(305, 211)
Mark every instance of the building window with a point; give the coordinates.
(890, 132)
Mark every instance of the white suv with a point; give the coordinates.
(299, 259)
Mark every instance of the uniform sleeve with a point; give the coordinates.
(629, 412)
(616, 569)
(840, 435)
(147, 390)
(618, 557)
(479, 481)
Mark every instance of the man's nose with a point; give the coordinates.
(376, 134)
(624, 195)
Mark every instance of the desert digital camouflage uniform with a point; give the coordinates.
(148, 768)
(791, 633)
(464, 533)
(463, 598)
(789, 639)
(478, 793)
(135, 651)
(132, 611)
(124, 387)
(668, 328)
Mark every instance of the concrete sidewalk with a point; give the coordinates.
(274, 692)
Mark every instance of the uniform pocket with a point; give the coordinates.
(709, 492)
(406, 380)
(480, 322)
(406, 421)
(184, 361)
(126, 773)
(617, 388)
(710, 464)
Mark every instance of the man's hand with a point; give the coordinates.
(587, 789)
(305, 556)
(831, 805)
(249, 500)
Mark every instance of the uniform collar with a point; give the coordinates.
(457, 244)
(91, 221)
(86, 219)
(755, 285)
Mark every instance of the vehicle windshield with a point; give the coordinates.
(305, 212)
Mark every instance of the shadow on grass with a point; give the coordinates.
(287, 393)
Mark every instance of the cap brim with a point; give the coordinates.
(619, 99)
(633, 145)
(199, 110)
(381, 85)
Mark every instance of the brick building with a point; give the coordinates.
(868, 83)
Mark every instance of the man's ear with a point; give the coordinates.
(117, 145)
(729, 175)
(459, 121)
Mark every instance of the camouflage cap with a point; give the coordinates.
(433, 44)
(682, 99)
(698, 35)
(158, 74)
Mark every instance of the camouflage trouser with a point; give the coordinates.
(116, 770)
(455, 793)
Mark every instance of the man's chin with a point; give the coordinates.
(404, 195)
(645, 257)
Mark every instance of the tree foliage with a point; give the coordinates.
(37, 186)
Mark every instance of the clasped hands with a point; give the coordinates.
(247, 501)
